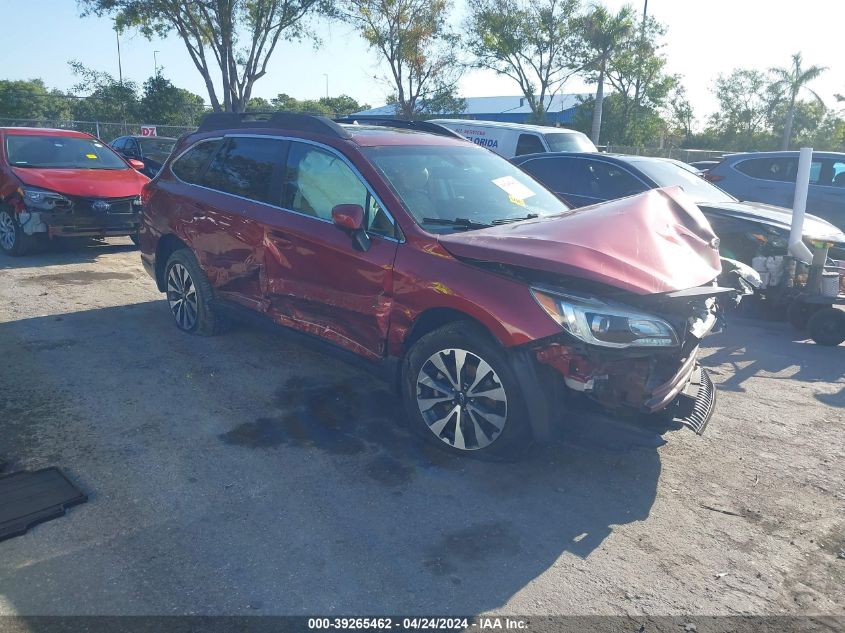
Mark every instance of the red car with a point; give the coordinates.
(56, 183)
(494, 307)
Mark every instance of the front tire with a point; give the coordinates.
(462, 395)
(800, 312)
(190, 295)
(13, 240)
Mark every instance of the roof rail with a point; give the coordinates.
(404, 124)
(278, 120)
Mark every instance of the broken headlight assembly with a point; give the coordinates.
(598, 323)
(37, 199)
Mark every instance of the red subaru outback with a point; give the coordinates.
(57, 183)
(495, 307)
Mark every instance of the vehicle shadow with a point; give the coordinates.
(246, 474)
(775, 351)
(67, 251)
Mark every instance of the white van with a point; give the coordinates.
(516, 139)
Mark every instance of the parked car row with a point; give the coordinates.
(494, 303)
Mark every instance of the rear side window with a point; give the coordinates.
(191, 165)
(838, 179)
(779, 169)
(118, 144)
(555, 173)
(246, 167)
(529, 144)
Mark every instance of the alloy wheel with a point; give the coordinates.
(462, 399)
(7, 231)
(182, 296)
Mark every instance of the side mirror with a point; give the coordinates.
(350, 217)
(135, 164)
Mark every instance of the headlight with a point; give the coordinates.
(597, 323)
(42, 199)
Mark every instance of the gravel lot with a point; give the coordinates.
(245, 474)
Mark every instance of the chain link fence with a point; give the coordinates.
(105, 131)
(685, 155)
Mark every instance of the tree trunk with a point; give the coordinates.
(597, 109)
(787, 127)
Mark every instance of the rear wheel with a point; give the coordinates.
(190, 295)
(800, 312)
(12, 238)
(827, 326)
(462, 395)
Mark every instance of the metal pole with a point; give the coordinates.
(327, 85)
(797, 248)
(119, 64)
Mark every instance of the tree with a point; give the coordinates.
(743, 108)
(636, 71)
(109, 99)
(681, 115)
(31, 100)
(535, 43)
(213, 32)
(414, 38)
(165, 104)
(604, 33)
(787, 85)
(344, 104)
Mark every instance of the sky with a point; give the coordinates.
(704, 38)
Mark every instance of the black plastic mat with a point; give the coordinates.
(28, 498)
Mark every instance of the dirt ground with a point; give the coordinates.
(245, 474)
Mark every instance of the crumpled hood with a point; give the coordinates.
(655, 242)
(85, 183)
(780, 217)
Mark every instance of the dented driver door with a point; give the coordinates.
(317, 281)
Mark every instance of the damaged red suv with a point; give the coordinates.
(62, 183)
(495, 308)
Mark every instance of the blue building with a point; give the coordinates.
(560, 109)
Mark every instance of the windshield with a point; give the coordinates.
(668, 174)
(467, 186)
(569, 142)
(60, 152)
(157, 148)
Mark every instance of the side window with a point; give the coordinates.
(529, 144)
(245, 167)
(317, 181)
(776, 169)
(118, 144)
(604, 181)
(191, 165)
(131, 147)
(555, 173)
(838, 178)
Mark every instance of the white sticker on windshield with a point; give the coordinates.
(513, 187)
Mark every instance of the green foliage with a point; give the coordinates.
(326, 106)
(414, 38)
(30, 99)
(741, 121)
(165, 104)
(108, 99)
(536, 43)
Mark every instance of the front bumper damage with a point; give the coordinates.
(635, 382)
(85, 218)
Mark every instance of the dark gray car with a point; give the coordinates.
(770, 177)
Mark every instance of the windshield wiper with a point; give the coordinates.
(530, 216)
(462, 223)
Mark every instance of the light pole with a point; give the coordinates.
(327, 84)
(155, 63)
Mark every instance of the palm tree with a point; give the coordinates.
(788, 84)
(604, 33)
